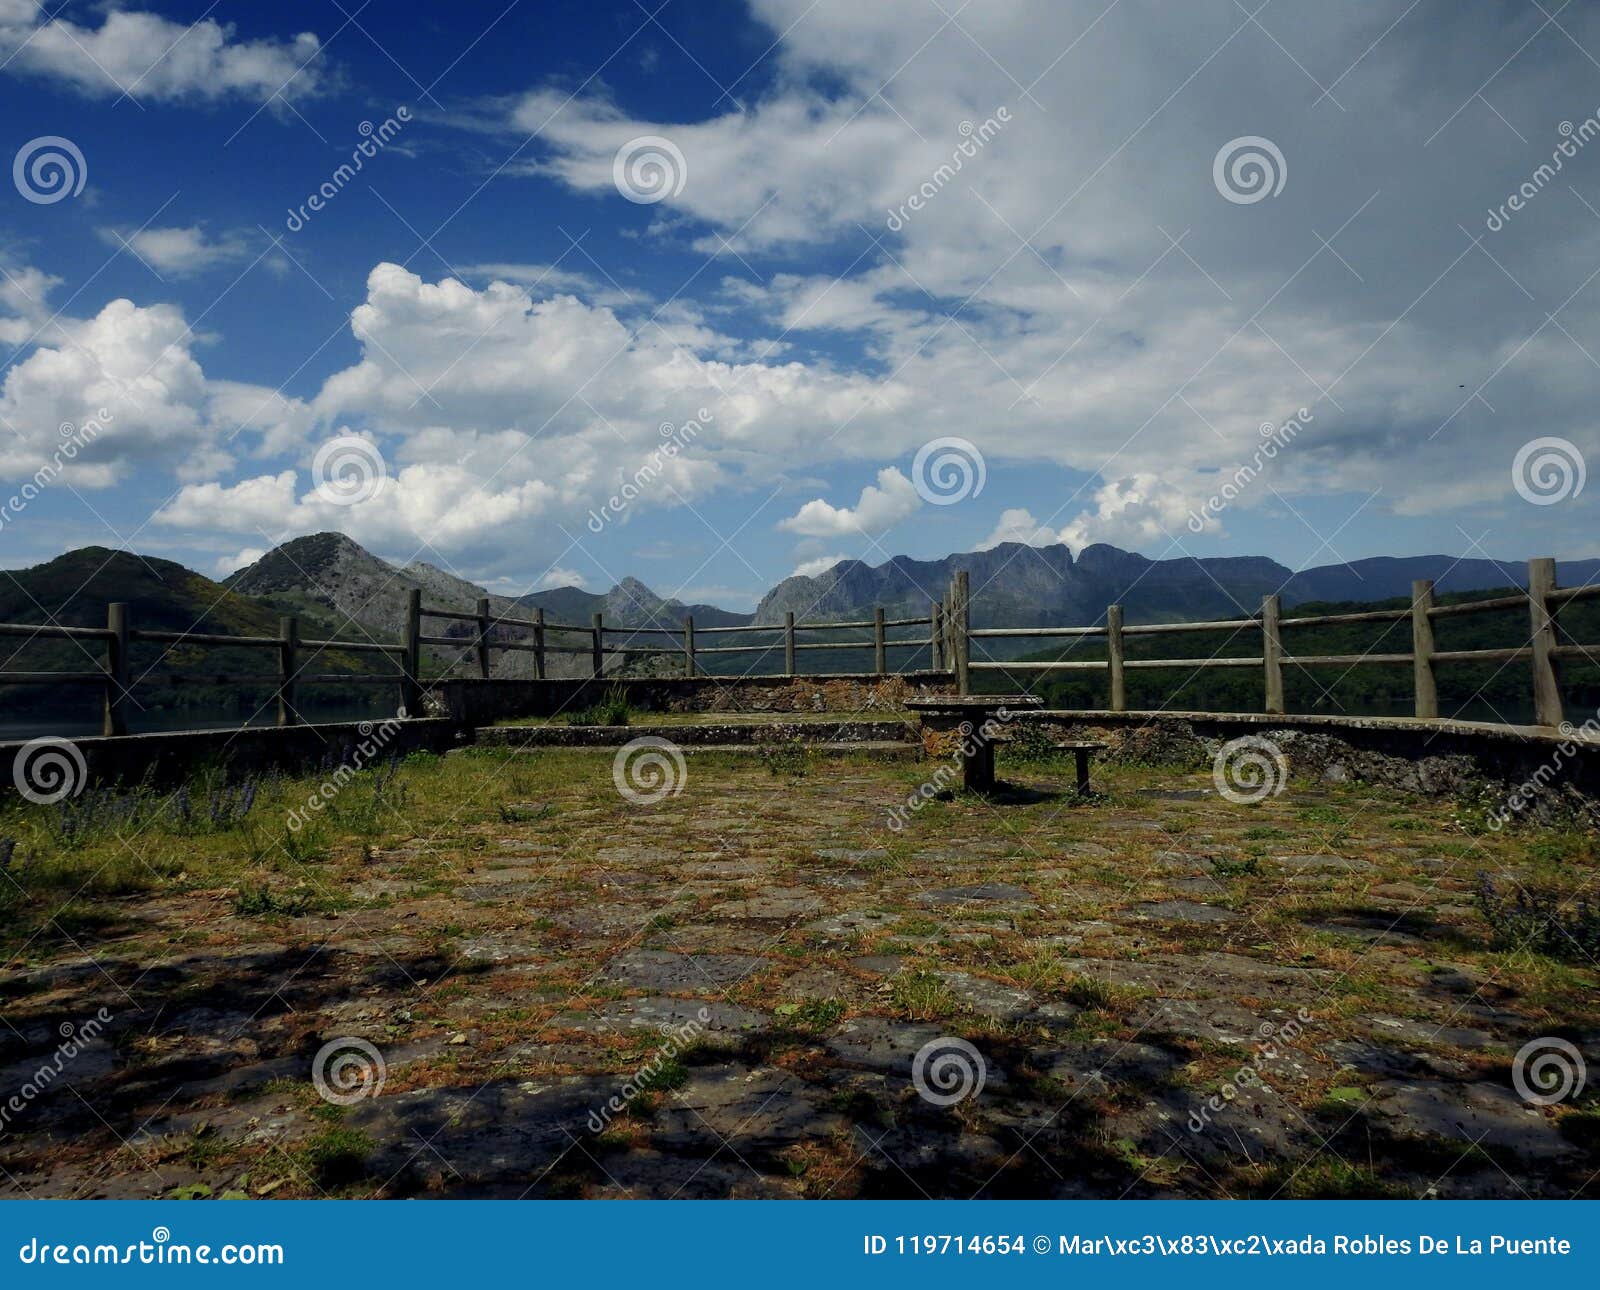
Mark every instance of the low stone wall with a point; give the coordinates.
(471, 703)
(171, 757)
(1512, 771)
(700, 734)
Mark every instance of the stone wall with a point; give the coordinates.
(471, 703)
(1514, 771)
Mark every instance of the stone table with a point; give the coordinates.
(963, 727)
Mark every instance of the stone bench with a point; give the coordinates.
(1081, 750)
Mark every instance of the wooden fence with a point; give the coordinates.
(1544, 652)
(293, 655)
(949, 639)
(683, 640)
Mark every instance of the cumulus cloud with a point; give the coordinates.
(147, 56)
(1142, 511)
(179, 252)
(880, 508)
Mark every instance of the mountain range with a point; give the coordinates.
(1013, 584)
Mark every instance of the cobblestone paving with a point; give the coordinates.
(734, 992)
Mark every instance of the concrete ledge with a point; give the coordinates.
(1546, 735)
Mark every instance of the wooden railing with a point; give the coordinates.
(1543, 653)
(293, 653)
(683, 640)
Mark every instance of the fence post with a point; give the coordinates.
(688, 646)
(1272, 653)
(288, 665)
(962, 625)
(1427, 691)
(538, 643)
(880, 648)
(411, 661)
(599, 646)
(935, 637)
(1119, 690)
(115, 720)
(1546, 682)
(788, 643)
(483, 637)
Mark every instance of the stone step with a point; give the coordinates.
(719, 733)
(875, 749)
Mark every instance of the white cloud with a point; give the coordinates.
(880, 508)
(559, 577)
(179, 252)
(811, 568)
(147, 56)
(1140, 512)
(242, 559)
(1018, 525)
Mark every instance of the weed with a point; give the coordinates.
(922, 995)
(785, 758)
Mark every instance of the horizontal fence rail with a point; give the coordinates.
(949, 638)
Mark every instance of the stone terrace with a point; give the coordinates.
(519, 943)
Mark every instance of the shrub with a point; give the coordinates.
(1533, 918)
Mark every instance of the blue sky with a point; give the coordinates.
(1007, 228)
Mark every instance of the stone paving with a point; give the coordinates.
(756, 988)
